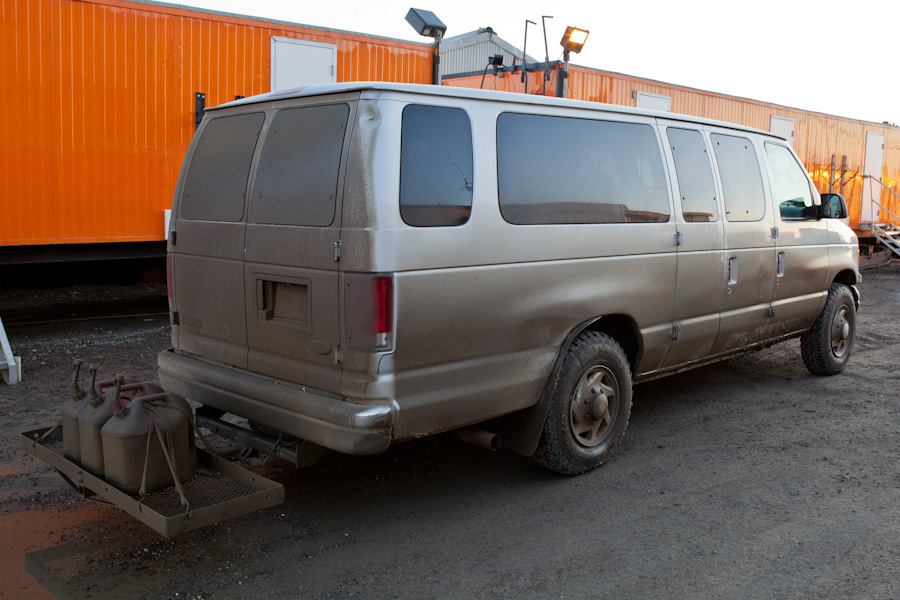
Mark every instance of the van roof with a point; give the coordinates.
(474, 94)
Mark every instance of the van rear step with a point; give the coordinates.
(219, 489)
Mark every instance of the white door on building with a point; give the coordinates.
(653, 101)
(784, 127)
(874, 165)
(298, 63)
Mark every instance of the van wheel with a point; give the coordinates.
(826, 346)
(589, 407)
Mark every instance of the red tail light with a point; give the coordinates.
(369, 311)
(383, 323)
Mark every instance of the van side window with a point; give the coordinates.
(695, 178)
(297, 178)
(742, 188)
(436, 167)
(790, 186)
(564, 170)
(216, 184)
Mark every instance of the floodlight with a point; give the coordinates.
(426, 23)
(573, 39)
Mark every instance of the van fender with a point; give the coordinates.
(521, 431)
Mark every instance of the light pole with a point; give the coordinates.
(573, 41)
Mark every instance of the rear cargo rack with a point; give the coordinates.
(219, 489)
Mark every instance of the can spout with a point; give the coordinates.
(92, 392)
(121, 411)
(77, 392)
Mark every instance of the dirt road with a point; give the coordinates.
(747, 479)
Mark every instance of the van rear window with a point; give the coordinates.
(565, 170)
(297, 178)
(216, 182)
(436, 178)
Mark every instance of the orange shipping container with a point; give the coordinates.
(98, 106)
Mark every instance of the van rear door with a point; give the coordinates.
(206, 246)
(291, 279)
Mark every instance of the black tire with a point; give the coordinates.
(827, 345)
(594, 377)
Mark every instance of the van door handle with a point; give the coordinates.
(732, 270)
(263, 311)
(781, 264)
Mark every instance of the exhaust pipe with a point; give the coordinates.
(479, 437)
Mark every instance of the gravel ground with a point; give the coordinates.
(750, 478)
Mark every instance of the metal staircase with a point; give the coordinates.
(887, 233)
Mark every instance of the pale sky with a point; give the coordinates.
(840, 58)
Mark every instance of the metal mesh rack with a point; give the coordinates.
(218, 490)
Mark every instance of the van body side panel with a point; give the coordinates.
(698, 297)
(482, 309)
(801, 283)
(519, 314)
(749, 273)
(801, 278)
(843, 250)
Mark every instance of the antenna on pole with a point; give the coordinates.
(546, 51)
(525, 60)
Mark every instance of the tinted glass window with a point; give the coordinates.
(297, 178)
(789, 184)
(216, 184)
(436, 175)
(562, 170)
(695, 178)
(742, 188)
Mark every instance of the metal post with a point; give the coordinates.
(10, 366)
(844, 170)
(436, 75)
(562, 83)
(524, 59)
(546, 53)
(831, 174)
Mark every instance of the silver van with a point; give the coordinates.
(358, 264)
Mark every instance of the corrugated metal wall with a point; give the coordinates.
(474, 58)
(98, 106)
(816, 136)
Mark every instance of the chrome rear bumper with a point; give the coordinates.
(326, 420)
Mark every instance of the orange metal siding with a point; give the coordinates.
(98, 106)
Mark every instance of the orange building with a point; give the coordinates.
(100, 101)
(101, 98)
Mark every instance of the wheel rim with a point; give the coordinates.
(840, 331)
(593, 406)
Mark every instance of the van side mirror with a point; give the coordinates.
(833, 206)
